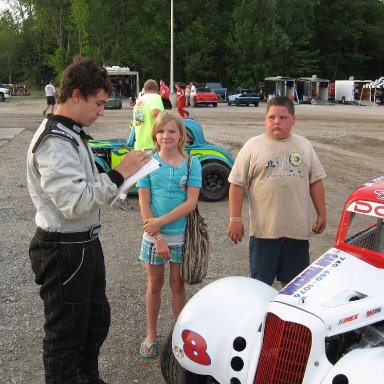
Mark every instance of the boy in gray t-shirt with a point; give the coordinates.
(282, 175)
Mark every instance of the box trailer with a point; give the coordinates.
(312, 90)
(350, 91)
(125, 82)
(279, 86)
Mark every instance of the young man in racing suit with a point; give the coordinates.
(65, 252)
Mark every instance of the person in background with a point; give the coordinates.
(145, 111)
(192, 94)
(50, 95)
(282, 174)
(65, 252)
(180, 94)
(165, 93)
(166, 196)
(187, 95)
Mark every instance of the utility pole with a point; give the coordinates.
(171, 63)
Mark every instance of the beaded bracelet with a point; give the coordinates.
(235, 219)
(158, 238)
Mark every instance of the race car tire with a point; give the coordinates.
(229, 103)
(256, 104)
(215, 185)
(174, 373)
(2, 97)
(214, 104)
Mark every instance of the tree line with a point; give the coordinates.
(238, 42)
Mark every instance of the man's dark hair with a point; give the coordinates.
(282, 101)
(85, 75)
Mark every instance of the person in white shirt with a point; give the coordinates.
(50, 95)
(192, 94)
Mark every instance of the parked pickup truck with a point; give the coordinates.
(217, 88)
(5, 92)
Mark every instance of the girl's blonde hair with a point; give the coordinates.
(162, 119)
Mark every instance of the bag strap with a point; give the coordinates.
(189, 161)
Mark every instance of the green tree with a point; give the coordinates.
(349, 38)
(9, 43)
(270, 38)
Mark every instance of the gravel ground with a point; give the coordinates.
(348, 140)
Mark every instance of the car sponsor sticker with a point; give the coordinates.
(372, 312)
(369, 208)
(315, 273)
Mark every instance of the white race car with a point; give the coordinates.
(325, 327)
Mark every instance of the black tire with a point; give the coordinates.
(229, 103)
(174, 373)
(2, 97)
(195, 104)
(119, 104)
(246, 104)
(215, 182)
(256, 104)
(214, 105)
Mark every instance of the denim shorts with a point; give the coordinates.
(149, 255)
(282, 258)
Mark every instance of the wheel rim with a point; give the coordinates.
(213, 182)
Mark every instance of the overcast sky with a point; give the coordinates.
(3, 5)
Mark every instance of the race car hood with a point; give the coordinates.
(342, 290)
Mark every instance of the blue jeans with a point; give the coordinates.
(77, 312)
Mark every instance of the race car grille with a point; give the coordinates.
(285, 352)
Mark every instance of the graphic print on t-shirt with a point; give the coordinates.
(286, 166)
(138, 113)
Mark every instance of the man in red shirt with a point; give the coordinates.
(164, 93)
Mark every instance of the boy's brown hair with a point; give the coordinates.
(282, 101)
(86, 76)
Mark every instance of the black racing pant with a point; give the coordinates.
(70, 269)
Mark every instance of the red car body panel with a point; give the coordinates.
(205, 96)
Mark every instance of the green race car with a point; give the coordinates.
(216, 163)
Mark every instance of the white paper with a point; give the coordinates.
(145, 170)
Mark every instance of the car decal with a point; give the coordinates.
(195, 347)
(206, 152)
(369, 208)
(316, 272)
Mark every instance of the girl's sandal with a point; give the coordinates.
(145, 350)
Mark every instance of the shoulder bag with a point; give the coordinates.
(196, 246)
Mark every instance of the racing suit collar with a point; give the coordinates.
(72, 125)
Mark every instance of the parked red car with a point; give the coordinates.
(205, 96)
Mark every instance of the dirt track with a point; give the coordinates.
(348, 139)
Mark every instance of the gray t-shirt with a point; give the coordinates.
(277, 175)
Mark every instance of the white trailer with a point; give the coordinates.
(125, 81)
(350, 91)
